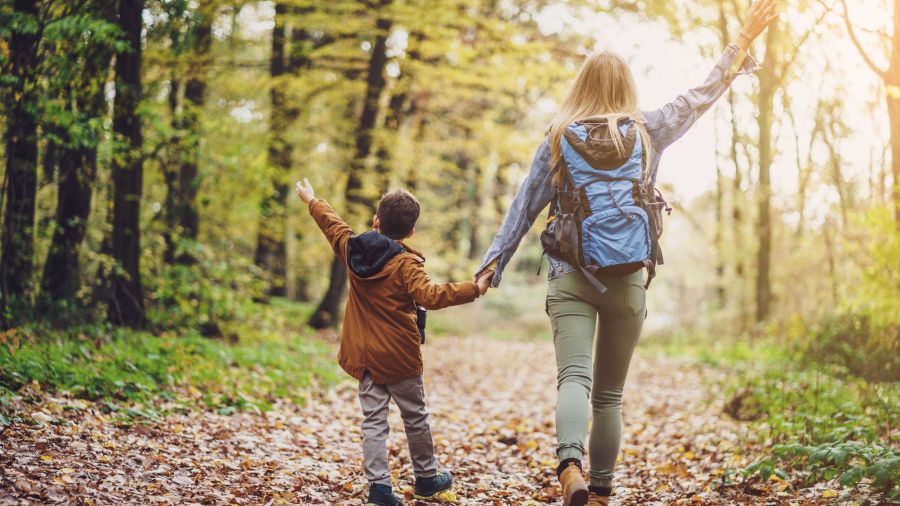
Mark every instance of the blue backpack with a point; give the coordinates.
(606, 216)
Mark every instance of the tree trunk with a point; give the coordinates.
(183, 218)
(718, 239)
(358, 204)
(893, 104)
(16, 262)
(271, 244)
(384, 155)
(127, 305)
(77, 172)
(170, 171)
(271, 249)
(767, 87)
(396, 111)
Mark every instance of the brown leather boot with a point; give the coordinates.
(595, 499)
(575, 491)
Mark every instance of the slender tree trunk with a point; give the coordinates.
(16, 262)
(397, 110)
(767, 87)
(419, 128)
(384, 155)
(77, 172)
(836, 164)
(719, 238)
(476, 186)
(271, 249)
(271, 244)
(358, 204)
(170, 172)
(194, 100)
(127, 305)
(894, 118)
(893, 104)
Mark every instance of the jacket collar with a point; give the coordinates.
(411, 250)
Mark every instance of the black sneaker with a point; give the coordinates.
(382, 495)
(426, 488)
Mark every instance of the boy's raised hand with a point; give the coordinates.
(305, 191)
(484, 281)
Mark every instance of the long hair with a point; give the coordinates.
(603, 88)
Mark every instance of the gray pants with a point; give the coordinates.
(410, 398)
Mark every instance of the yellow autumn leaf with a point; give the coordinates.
(829, 493)
(46, 458)
(447, 496)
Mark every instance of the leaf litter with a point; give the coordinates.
(492, 405)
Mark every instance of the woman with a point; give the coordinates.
(603, 88)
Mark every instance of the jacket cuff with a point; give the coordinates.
(475, 291)
(742, 62)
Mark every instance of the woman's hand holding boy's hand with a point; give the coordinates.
(305, 191)
(484, 281)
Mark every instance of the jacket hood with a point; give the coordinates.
(368, 253)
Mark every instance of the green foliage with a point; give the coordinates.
(857, 342)
(98, 362)
(826, 423)
(210, 291)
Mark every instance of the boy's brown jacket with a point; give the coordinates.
(387, 279)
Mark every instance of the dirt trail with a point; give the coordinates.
(492, 403)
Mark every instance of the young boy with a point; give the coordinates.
(380, 341)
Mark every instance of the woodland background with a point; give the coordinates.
(150, 148)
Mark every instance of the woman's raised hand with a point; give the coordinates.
(761, 15)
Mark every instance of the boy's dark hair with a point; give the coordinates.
(398, 212)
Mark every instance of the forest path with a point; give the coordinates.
(492, 404)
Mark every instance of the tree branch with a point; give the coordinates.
(881, 73)
(782, 73)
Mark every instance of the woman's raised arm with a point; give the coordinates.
(668, 123)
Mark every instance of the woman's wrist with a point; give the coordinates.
(743, 41)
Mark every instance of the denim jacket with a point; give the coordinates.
(664, 126)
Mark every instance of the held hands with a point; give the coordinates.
(305, 191)
(761, 15)
(484, 281)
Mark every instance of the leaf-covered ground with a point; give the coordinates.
(492, 403)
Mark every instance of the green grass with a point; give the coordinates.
(274, 357)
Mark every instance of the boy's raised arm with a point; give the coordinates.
(433, 295)
(335, 229)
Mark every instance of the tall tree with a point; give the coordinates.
(183, 179)
(127, 304)
(359, 203)
(16, 262)
(77, 159)
(768, 86)
(891, 78)
(285, 62)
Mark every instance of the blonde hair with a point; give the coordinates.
(604, 88)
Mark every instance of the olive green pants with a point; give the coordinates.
(574, 307)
